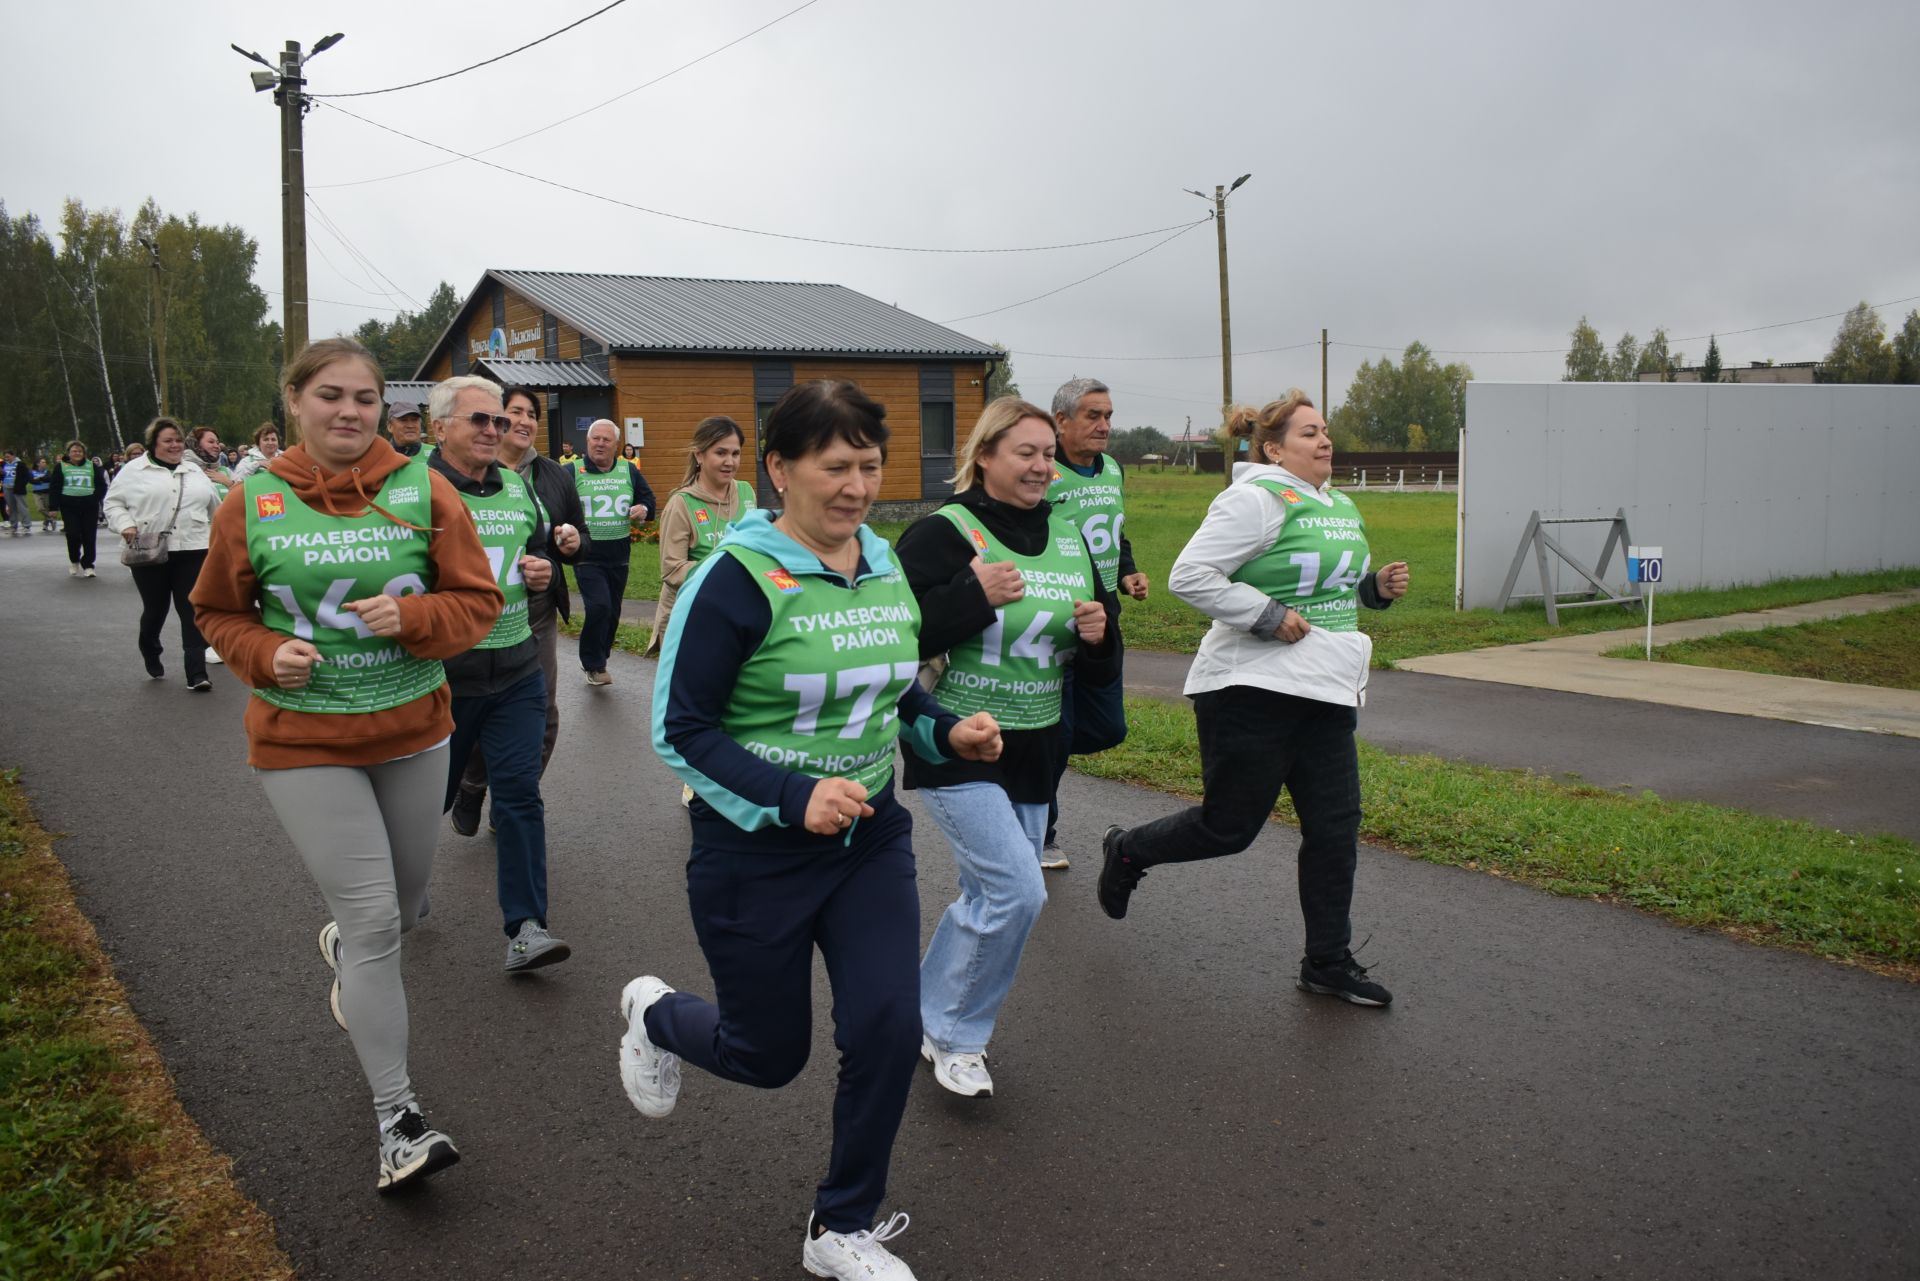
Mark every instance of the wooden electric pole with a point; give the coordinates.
(286, 80)
(1323, 373)
(1219, 199)
(293, 199)
(157, 323)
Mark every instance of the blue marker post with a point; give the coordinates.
(1644, 566)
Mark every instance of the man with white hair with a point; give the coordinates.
(499, 692)
(613, 496)
(1086, 490)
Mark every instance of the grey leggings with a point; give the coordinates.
(367, 836)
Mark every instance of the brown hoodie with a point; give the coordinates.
(451, 618)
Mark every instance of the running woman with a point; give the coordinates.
(1279, 563)
(786, 675)
(1008, 590)
(159, 492)
(266, 444)
(78, 484)
(348, 724)
(709, 501)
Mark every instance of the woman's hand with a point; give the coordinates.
(1090, 620)
(1292, 627)
(380, 614)
(1001, 581)
(130, 533)
(977, 738)
(566, 539)
(293, 664)
(835, 803)
(537, 571)
(1391, 580)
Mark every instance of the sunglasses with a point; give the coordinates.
(482, 420)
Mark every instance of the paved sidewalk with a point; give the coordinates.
(1573, 664)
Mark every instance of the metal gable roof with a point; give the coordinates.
(542, 374)
(660, 313)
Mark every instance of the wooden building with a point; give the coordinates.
(658, 354)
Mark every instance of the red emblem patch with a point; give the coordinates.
(270, 506)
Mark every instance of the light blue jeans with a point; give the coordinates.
(975, 950)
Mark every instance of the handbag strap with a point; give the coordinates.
(175, 519)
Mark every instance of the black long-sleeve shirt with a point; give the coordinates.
(938, 562)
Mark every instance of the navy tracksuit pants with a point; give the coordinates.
(758, 918)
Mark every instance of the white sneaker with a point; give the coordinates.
(650, 1075)
(856, 1256)
(214, 658)
(964, 1074)
(73, 571)
(410, 1149)
(87, 573)
(330, 948)
(1053, 859)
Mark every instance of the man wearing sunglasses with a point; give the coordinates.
(614, 495)
(499, 692)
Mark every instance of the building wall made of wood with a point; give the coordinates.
(672, 394)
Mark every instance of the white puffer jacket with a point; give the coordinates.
(1242, 522)
(143, 495)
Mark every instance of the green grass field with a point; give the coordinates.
(1164, 508)
(1849, 896)
(1866, 649)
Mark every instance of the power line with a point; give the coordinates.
(1212, 355)
(360, 257)
(441, 164)
(1084, 279)
(750, 231)
(368, 93)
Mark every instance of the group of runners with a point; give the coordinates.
(394, 611)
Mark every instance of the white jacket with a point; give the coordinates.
(143, 495)
(1242, 522)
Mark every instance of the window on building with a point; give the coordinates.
(936, 428)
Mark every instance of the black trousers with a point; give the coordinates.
(169, 583)
(82, 523)
(1253, 742)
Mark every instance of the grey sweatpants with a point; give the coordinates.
(367, 836)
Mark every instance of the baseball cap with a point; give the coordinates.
(403, 409)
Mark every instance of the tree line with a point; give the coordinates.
(1861, 353)
(105, 319)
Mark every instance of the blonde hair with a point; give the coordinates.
(996, 420)
(1266, 425)
(709, 433)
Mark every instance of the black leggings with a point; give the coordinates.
(169, 583)
(1253, 742)
(82, 523)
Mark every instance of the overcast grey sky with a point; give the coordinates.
(1476, 176)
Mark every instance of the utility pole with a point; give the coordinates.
(1323, 372)
(286, 80)
(1219, 199)
(293, 198)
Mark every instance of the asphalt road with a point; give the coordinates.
(1562, 1089)
(1837, 778)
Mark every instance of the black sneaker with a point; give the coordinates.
(200, 685)
(1345, 978)
(1118, 875)
(466, 810)
(155, 670)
